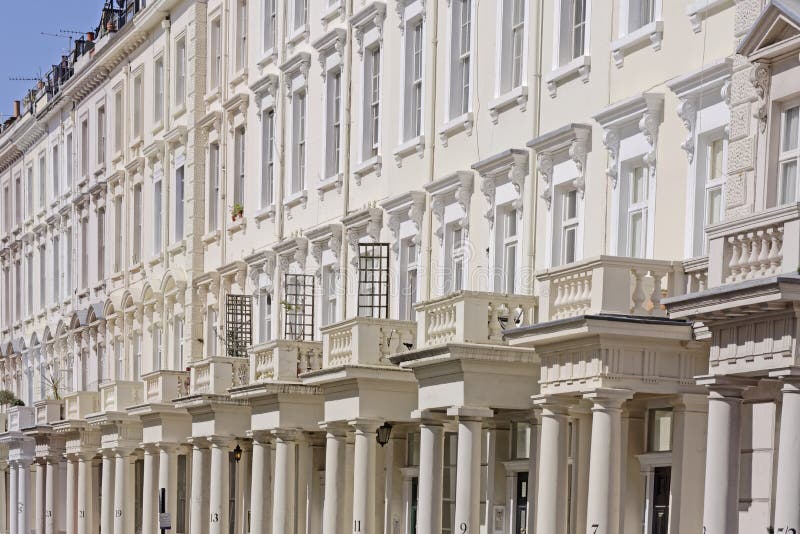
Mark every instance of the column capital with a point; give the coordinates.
(286, 434)
(220, 442)
(469, 413)
(554, 404)
(365, 425)
(260, 436)
(198, 442)
(165, 446)
(337, 429)
(690, 402)
(608, 399)
(428, 417)
(122, 451)
(726, 386)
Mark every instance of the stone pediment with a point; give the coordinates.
(775, 33)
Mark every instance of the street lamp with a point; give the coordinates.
(237, 453)
(383, 433)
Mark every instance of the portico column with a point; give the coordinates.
(168, 477)
(23, 487)
(41, 475)
(85, 494)
(431, 460)
(198, 521)
(721, 500)
(72, 497)
(149, 492)
(284, 488)
(334, 478)
(787, 491)
(467, 516)
(107, 492)
(218, 500)
(551, 508)
(605, 461)
(13, 497)
(52, 497)
(260, 484)
(364, 476)
(3, 495)
(123, 510)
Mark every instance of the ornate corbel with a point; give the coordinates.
(578, 149)
(611, 142)
(687, 111)
(437, 207)
(489, 189)
(648, 125)
(760, 78)
(545, 166)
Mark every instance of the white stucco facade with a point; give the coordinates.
(406, 266)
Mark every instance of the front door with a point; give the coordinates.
(661, 479)
(521, 511)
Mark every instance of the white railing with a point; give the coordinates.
(760, 245)
(284, 360)
(696, 274)
(472, 317)
(215, 375)
(365, 341)
(48, 411)
(609, 284)
(164, 386)
(20, 417)
(119, 395)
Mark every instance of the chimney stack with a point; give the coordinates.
(16, 109)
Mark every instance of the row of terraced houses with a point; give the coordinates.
(406, 267)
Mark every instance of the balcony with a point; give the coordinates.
(215, 375)
(21, 417)
(48, 411)
(761, 245)
(164, 386)
(79, 404)
(119, 395)
(365, 341)
(284, 360)
(472, 317)
(598, 286)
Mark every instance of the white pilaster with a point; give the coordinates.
(364, 476)
(334, 479)
(13, 496)
(283, 494)
(149, 491)
(85, 494)
(198, 519)
(107, 493)
(467, 515)
(431, 460)
(168, 477)
(260, 483)
(218, 500)
(721, 501)
(41, 476)
(24, 496)
(72, 496)
(551, 510)
(605, 462)
(123, 479)
(787, 491)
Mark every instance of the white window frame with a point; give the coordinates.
(460, 69)
(240, 63)
(102, 138)
(630, 208)
(455, 257)
(213, 186)
(268, 153)
(786, 157)
(265, 297)
(178, 358)
(507, 62)
(564, 52)
(627, 11)
(299, 16)
(85, 146)
(503, 242)
(269, 18)
(409, 274)
(119, 121)
(137, 107)
(136, 212)
(239, 164)
(158, 90)
(372, 77)
(330, 292)
(298, 178)
(414, 61)
(215, 52)
(158, 212)
(179, 195)
(180, 73)
(158, 348)
(332, 156)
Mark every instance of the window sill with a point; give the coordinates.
(99, 286)
(297, 35)
(136, 267)
(179, 110)
(415, 145)
(158, 127)
(330, 183)
(239, 226)
(580, 66)
(700, 9)
(270, 56)
(117, 157)
(652, 33)
(238, 77)
(213, 94)
(211, 237)
(462, 123)
(136, 143)
(117, 276)
(266, 212)
(83, 293)
(296, 199)
(100, 169)
(155, 260)
(367, 166)
(331, 12)
(517, 96)
(177, 248)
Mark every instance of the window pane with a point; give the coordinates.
(715, 160)
(569, 245)
(790, 122)
(714, 205)
(660, 430)
(638, 185)
(570, 204)
(788, 185)
(636, 234)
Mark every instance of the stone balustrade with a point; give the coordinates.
(472, 317)
(48, 411)
(365, 341)
(283, 359)
(164, 386)
(215, 375)
(118, 395)
(764, 244)
(79, 404)
(695, 274)
(609, 284)
(21, 417)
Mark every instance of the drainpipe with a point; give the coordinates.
(431, 139)
(281, 98)
(223, 137)
(347, 69)
(166, 123)
(537, 23)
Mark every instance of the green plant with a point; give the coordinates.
(7, 397)
(53, 383)
(18, 402)
(236, 211)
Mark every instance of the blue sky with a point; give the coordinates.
(26, 52)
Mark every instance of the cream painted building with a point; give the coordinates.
(406, 267)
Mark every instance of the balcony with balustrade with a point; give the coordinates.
(461, 358)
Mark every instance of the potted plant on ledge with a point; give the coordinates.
(237, 212)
